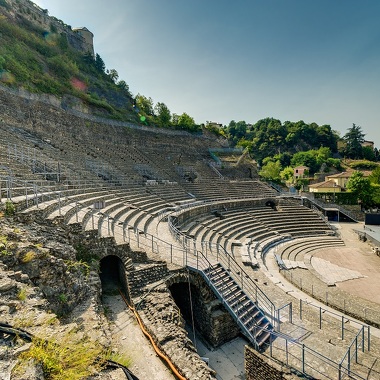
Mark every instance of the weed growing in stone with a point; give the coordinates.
(119, 358)
(23, 321)
(4, 246)
(21, 295)
(80, 265)
(66, 358)
(28, 257)
(9, 208)
(62, 298)
(52, 321)
(107, 311)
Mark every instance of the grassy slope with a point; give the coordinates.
(41, 61)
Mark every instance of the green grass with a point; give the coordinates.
(21, 295)
(70, 358)
(43, 62)
(28, 257)
(66, 359)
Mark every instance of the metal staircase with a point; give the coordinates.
(251, 320)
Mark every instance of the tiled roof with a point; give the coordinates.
(325, 184)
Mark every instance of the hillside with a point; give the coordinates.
(43, 55)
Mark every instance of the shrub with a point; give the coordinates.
(363, 164)
(82, 266)
(69, 357)
(63, 67)
(62, 298)
(9, 208)
(21, 295)
(65, 359)
(28, 257)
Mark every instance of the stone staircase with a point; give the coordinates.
(252, 321)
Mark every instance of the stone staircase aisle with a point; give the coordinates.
(252, 321)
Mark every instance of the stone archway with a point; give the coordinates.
(271, 203)
(112, 274)
(199, 304)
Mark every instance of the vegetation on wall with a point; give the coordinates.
(161, 116)
(42, 61)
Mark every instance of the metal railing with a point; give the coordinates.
(236, 271)
(333, 299)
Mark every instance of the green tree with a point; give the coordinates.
(360, 187)
(236, 130)
(375, 176)
(353, 142)
(268, 138)
(307, 158)
(326, 137)
(175, 118)
(99, 63)
(186, 122)
(163, 115)
(114, 75)
(145, 104)
(368, 153)
(123, 85)
(287, 175)
(270, 171)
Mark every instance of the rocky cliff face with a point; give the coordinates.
(44, 291)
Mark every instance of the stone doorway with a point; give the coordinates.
(200, 308)
(112, 274)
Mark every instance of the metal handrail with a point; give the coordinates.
(238, 273)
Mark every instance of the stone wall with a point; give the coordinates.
(163, 320)
(210, 317)
(221, 206)
(145, 274)
(260, 367)
(37, 112)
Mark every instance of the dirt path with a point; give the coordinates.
(356, 255)
(129, 340)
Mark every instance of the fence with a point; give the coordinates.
(333, 299)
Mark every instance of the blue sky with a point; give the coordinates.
(219, 60)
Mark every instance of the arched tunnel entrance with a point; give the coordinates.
(112, 275)
(202, 310)
(184, 297)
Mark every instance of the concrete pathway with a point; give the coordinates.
(128, 338)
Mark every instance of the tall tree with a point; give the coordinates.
(145, 104)
(270, 171)
(237, 130)
(99, 63)
(360, 187)
(186, 122)
(163, 115)
(353, 140)
(114, 75)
